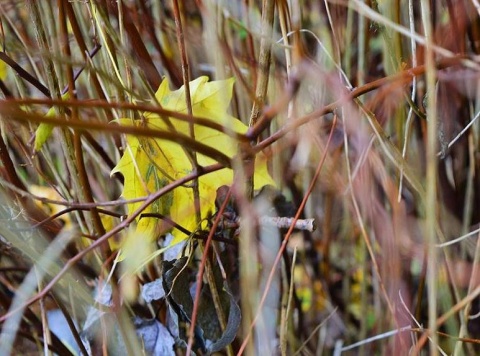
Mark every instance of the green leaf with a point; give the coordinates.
(44, 130)
(42, 134)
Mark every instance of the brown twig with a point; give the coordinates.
(263, 75)
(176, 137)
(71, 325)
(66, 211)
(9, 172)
(287, 237)
(103, 239)
(84, 50)
(152, 30)
(77, 73)
(77, 135)
(145, 61)
(403, 77)
(264, 58)
(26, 193)
(25, 75)
(201, 269)
(192, 155)
(17, 103)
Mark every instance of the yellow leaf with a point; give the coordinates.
(44, 130)
(52, 194)
(3, 70)
(149, 164)
(142, 176)
(135, 249)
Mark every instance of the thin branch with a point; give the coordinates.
(103, 239)
(21, 116)
(97, 104)
(287, 237)
(191, 154)
(25, 75)
(201, 269)
(263, 75)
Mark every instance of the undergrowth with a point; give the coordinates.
(323, 201)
